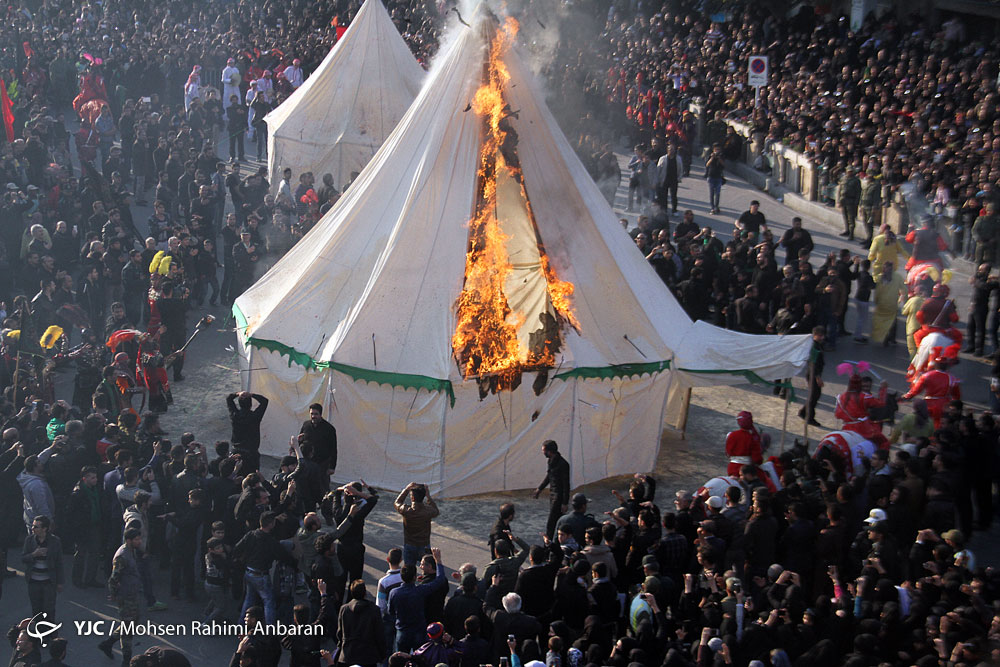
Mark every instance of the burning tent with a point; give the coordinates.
(472, 295)
(340, 116)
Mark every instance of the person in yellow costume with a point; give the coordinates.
(886, 247)
(889, 292)
(910, 310)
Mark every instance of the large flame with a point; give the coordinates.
(486, 334)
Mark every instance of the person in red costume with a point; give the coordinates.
(938, 313)
(938, 385)
(91, 88)
(743, 445)
(853, 406)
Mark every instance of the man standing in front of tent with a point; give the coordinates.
(323, 437)
(557, 479)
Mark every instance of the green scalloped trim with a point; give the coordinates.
(616, 371)
(408, 381)
(402, 380)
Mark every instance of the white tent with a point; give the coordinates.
(343, 112)
(360, 315)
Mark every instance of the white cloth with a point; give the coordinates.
(230, 84)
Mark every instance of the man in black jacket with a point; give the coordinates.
(360, 637)
(557, 479)
(323, 437)
(535, 582)
(246, 426)
(258, 550)
(351, 551)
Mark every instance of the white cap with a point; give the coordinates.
(875, 516)
(715, 502)
(715, 643)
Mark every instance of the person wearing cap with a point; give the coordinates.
(884, 554)
(440, 647)
(848, 198)
(293, 73)
(360, 638)
(557, 479)
(743, 445)
(578, 521)
(231, 78)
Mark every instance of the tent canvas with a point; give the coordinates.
(336, 120)
(360, 315)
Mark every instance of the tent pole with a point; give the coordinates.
(784, 418)
(684, 413)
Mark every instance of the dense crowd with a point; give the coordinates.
(825, 563)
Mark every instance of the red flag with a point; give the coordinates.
(7, 108)
(28, 51)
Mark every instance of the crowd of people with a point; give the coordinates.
(825, 565)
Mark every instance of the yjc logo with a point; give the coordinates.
(89, 628)
(39, 628)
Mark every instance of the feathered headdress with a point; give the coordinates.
(854, 369)
(50, 337)
(160, 263)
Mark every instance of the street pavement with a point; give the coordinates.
(685, 461)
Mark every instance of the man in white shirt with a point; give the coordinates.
(294, 73)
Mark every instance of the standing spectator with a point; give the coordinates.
(246, 426)
(417, 517)
(557, 479)
(236, 126)
(231, 86)
(578, 521)
(862, 299)
(986, 231)
(43, 569)
(38, 499)
(636, 167)
(871, 203)
(323, 437)
(669, 169)
(795, 241)
(406, 604)
(360, 638)
(815, 374)
(125, 585)
(849, 196)
(715, 169)
(86, 519)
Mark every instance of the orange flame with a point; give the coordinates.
(485, 341)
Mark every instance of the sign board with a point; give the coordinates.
(757, 71)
